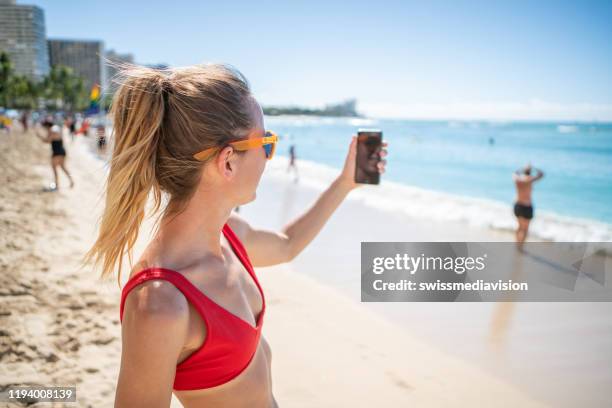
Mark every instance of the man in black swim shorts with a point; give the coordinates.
(523, 207)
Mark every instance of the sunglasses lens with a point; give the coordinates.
(268, 149)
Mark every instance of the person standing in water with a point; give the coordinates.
(292, 162)
(192, 309)
(523, 207)
(58, 153)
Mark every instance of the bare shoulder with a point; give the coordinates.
(239, 225)
(521, 179)
(156, 301)
(154, 328)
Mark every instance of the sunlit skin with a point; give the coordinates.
(161, 328)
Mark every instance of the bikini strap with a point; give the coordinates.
(183, 284)
(237, 245)
(241, 252)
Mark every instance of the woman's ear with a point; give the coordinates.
(227, 162)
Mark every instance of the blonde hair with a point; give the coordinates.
(161, 118)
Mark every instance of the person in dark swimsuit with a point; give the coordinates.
(292, 163)
(101, 135)
(24, 121)
(71, 125)
(58, 153)
(57, 148)
(523, 206)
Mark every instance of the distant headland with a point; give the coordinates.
(346, 108)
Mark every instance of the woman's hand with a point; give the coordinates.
(347, 177)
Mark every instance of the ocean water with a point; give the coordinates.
(462, 170)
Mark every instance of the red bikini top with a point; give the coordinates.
(230, 343)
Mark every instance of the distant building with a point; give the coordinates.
(22, 36)
(111, 70)
(158, 66)
(83, 56)
(342, 109)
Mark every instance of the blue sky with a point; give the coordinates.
(455, 59)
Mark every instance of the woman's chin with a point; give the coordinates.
(253, 197)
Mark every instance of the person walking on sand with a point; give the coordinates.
(24, 121)
(58, 153)
(292, 163)
(101, 136)
(523, 207)
(71, 125)
(192, 309)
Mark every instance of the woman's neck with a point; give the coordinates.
(185, 238)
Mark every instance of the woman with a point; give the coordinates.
(192, 310)
(58, 153)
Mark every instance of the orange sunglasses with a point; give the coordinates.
(268, 142)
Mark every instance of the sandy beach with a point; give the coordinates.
(59, 324)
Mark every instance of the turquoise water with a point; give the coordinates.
(459, 158)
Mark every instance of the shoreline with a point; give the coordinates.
(473, 212)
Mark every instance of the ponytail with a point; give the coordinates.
(138, 113)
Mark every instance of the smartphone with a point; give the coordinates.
(369, 143)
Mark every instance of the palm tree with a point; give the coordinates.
(64, 90)
(61, 88)
(22, 93)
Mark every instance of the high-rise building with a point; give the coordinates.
(84, 57)
(22, 36)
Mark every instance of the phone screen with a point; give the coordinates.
(369, 142)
